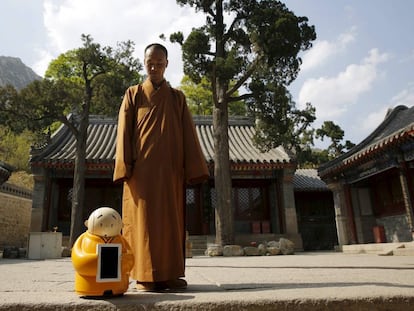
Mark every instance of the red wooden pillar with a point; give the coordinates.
(351, 216)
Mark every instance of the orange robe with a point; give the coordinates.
(157, 153)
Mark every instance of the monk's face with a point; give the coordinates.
(155, 62)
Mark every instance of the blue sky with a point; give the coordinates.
(360, 65)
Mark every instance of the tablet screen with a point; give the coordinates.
(109, 262)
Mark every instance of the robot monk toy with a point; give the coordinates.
(101, 257)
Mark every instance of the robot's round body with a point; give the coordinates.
(104, 227)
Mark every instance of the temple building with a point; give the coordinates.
(262, 183)
(372, 183)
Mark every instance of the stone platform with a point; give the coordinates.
(303, 281)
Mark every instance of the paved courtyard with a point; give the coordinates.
(304, 281)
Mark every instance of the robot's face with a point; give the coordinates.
(104, 222)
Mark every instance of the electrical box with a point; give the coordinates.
(45, 245)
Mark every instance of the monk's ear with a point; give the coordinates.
(166, 64)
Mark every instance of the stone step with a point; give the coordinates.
(198, 252)
(198, 245)
(198, 240)
(403, 251)
(384, 249)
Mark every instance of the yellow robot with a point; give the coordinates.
(101, 256)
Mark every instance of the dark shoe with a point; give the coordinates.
(176, 284)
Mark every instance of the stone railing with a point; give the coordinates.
(16, 191)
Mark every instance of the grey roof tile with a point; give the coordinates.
(308, 180)
(394, 129)
(102, 135)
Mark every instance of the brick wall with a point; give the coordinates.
(15, 215)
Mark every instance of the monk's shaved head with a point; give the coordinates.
(156, 46)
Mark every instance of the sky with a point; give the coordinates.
(360, 65)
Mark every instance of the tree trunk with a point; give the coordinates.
(78, 194)
(222, 177)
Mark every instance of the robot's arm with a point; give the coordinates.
(84, 263)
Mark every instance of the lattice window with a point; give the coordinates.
(248, 203)
(190, 196)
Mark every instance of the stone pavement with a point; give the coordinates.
(304, 281)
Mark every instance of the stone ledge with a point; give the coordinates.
(308, 304)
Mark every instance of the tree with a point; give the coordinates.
(8, 100)
(200, 98)
(310, 157)
(257, 48)
(90, 79)
(14, 148)
(333, 131)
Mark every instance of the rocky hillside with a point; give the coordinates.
(14, 72)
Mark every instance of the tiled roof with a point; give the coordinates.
(60, 151)
(397, 127)
(241, 147)
(5, 172)
(308, 180)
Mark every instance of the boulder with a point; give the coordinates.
(233, 250)
(273, 251)
(214, 250)
(251, 251)
(287, 247)
(262, 249)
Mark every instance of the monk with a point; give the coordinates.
(157, 154)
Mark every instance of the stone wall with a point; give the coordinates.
(396, 228)
(15, 216)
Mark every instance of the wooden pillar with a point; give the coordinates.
(341, 212)
(406, 195)
(351, 215)
(290, 220)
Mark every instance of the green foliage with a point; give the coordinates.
(313, 158)
(200, 98)
(90, 79)
(102, 74)
(258, 51)
(333, 131)
(45, 101)
(15, 148)
(237, 108)
(8, 99)
(279, 122)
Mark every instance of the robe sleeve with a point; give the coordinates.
(125, 146)
(195, 165)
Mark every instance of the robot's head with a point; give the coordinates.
(104, 222)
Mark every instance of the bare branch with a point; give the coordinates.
(241, 97)
(244, 78)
